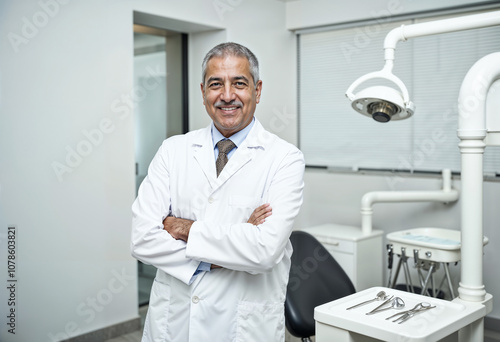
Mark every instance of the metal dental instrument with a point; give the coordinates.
(380, 296)
(406, 315)
(381, 305)
(417, 307)
(390, 255)
(429, 276)
(406, 269)
(396, 303)
(411, 314)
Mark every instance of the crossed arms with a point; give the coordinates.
(179, 228)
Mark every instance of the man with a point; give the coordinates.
(220, 241)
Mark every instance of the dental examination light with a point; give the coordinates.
(383, 105)
(380, 102)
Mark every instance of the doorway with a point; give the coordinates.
(160, 106)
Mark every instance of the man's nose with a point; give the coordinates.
(227, 94)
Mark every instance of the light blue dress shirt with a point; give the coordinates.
(237, 138)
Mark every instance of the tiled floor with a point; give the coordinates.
(132, 337)
(491, 336)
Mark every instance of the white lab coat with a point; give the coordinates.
(243, 301)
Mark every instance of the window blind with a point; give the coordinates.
(332, 134)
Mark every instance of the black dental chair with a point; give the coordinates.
(315, 279)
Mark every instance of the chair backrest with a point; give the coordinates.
(315, 278)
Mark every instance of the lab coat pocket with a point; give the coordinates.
(260, 322)
(157, 318)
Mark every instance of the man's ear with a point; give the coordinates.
(258, 90)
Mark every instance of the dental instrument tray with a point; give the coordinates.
(434, 244)
(425, 319)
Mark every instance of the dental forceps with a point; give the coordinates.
(391, 303)
(381, 305)
(406, 315)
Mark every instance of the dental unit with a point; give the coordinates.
(385, 104)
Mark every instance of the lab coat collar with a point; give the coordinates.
(257, 138)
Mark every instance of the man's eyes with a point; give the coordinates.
(237, 84)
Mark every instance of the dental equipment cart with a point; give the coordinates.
(335, 323)
(360, 255)
(430, 248)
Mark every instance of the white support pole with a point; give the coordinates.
(472, 132)
(471, 284)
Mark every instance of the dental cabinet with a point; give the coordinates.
(359, 254)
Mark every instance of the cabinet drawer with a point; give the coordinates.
(346, 261)
(336, 245)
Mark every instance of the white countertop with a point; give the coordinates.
(340, 231)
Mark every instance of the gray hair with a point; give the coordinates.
(232, 49)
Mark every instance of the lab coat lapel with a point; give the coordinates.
(203, 153)
(241, 156)
(245, 153)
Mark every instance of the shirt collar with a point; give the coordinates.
(237, 138)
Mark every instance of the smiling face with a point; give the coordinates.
(229, 93)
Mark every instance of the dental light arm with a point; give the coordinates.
(383, 103)
(405, 32)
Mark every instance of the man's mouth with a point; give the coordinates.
(228, 106)
(227, 109)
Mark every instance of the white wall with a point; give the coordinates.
(58, 87)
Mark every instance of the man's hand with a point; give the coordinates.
(259, 214)
(177, 227)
